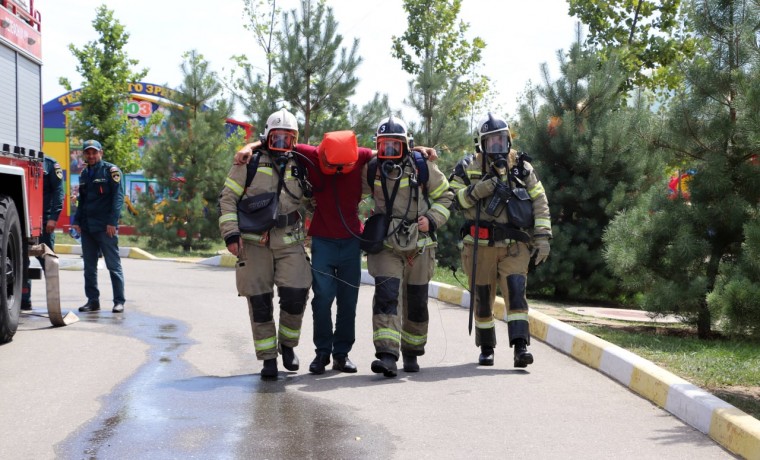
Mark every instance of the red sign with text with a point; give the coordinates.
(20, 28)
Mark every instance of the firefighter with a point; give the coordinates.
(414, 197)
(507, 232)
(52, 204)
(261, 225)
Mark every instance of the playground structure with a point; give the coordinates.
(145, 100)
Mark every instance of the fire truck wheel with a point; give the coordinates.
(11, 264)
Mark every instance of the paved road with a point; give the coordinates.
(176, 377)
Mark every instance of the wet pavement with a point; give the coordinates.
(166, 410)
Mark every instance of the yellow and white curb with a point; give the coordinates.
(223, 260)
(125, 252)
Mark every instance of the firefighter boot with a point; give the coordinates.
(289, 358)
(269, 371)
(522, 355)
(386, 365)
(410, 363)
(486, 356)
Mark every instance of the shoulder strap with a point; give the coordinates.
(423, 174)
(422, 168)
(253, 165)
(371, 173)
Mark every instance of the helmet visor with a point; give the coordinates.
(496, 142)
(282, 140)
(389, 148)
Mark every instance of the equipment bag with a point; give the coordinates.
(520, 208)
(257, 214)
(374, 233)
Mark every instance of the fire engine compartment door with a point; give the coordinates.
(29, 104)
(8, 96)
(20, 111)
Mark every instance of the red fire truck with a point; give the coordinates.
(21, 164)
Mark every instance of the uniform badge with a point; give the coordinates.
(115, 174)
(58, 171)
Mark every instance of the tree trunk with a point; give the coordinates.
(704, 322)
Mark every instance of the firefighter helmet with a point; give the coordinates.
(493, 136)
(281, 131)
(393, 139)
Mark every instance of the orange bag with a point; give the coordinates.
(338, 152)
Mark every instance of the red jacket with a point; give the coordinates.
(326, 222)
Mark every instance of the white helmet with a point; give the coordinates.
(493, 136)
(393, 139)
(281, 131)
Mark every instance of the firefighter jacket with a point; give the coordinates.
(52, 190)
(270, 170)
(468, 173)
(412, 200)
(100, 197)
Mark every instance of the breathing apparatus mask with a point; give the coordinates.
(281, 140)
(496, 150)
(394, 143)
(494, 141)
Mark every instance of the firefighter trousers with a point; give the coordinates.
(508, 267)
(400, 304)
(258, 270)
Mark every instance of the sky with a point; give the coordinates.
(520, 35)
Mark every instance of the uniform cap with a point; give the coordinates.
(92, 144)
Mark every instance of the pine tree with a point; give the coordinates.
(592, 163)
(255, 88)
(689, 256)
(434, 50)
(363, 121)
(107, 73)
(316, 73)
(189, 162)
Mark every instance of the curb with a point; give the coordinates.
(125, 252)
(730, 427)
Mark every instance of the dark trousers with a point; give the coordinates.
(94, 244)
(336, 269)
(26, 292)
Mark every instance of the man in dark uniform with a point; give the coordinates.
(97, 220)
(52, 204)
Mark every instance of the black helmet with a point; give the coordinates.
(493, 136)
(392, 139)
